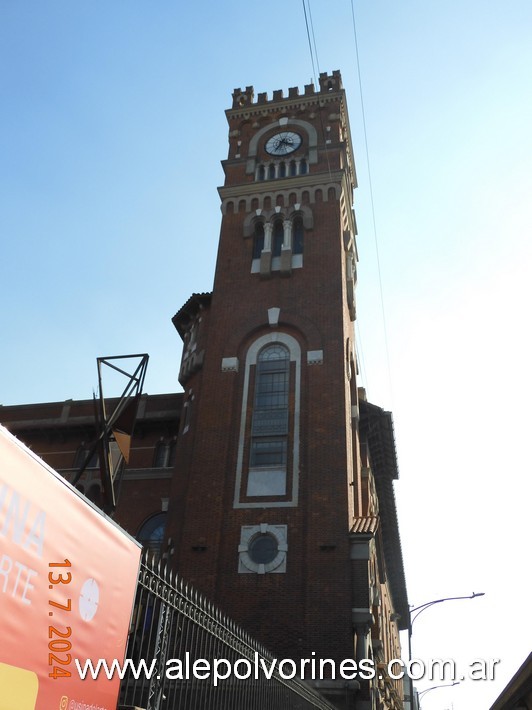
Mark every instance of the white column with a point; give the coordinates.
(268, 227)
(287, 238)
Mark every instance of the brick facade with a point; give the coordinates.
(314, 604)
(334, 585)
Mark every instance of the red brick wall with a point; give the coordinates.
(307, 608)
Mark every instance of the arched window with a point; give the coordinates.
(293, 168)
(271, 172)
(268, 458)
(282, 170)
(278, 236)
(151, 533)
(303, 169)
(262, 172)
(258, 240)
(269, 429)
(297, 236)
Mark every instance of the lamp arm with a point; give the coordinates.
(422, 607)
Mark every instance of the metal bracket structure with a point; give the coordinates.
(115, 426)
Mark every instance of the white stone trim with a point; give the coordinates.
(247, 533)
(273, 316)
(229, 364)
(297, 263)
(315, 357)
(298, 123)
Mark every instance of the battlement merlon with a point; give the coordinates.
(243, 99)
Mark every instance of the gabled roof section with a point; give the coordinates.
(376, 426)
(188, 312)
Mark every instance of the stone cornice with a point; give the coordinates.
(268, 186)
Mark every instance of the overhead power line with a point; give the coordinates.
(383, 310)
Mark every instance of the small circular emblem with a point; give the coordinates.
(88, 599)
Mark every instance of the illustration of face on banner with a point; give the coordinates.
(68, 577)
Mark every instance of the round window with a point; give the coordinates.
(263, 549)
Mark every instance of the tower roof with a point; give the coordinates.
(186, 314)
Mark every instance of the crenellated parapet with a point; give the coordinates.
(243, 99)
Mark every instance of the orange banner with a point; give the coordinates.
(68, 577)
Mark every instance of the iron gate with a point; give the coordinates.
(173, 621)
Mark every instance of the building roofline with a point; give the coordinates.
(377, 425)
(64, 414)
(518, 687)
(189, 310)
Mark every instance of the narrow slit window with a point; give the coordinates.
(297, 238)
(278, 236)
(258, 240)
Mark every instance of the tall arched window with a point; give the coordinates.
(268, 454)
(258, 240)
(270, 410)
(269, 428)
(271, 172)
(278, 236)
(297, 236)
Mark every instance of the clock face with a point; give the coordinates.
(283, 143)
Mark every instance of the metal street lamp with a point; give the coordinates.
(422, 607)
(435, 687)
(419, 609)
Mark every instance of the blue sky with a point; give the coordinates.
(112, 132)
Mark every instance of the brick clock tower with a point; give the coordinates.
(280, 509)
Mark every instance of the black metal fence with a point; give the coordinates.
(172, 627)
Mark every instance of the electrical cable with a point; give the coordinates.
(309, 43)
(313, 38)
(358, 340)
(372, 205)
